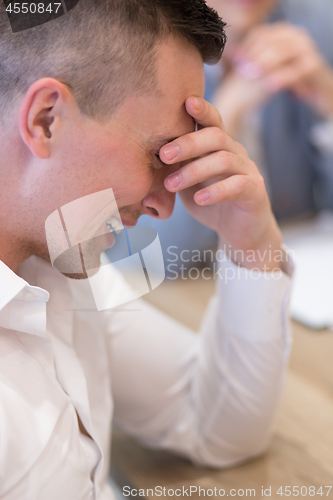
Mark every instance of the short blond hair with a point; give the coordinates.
(103, 50)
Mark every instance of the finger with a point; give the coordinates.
(199, 143)
(236, 187)
(278, 55)
(203, 112)
(281, 50)
(264, 56)
(292, 75)
(269, 49)
(265, 35)
(217, 165)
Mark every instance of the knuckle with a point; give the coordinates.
(219, 120)
(241, 183)
(222, 191)
(259, 182)
(242, 150)
(218, 135)
(225, 158)
(194, 171)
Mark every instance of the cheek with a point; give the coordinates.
(136, 188)
(126, 173)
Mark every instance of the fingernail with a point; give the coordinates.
(174, 180)
(171, 151)
(197, 103)
(202, 196)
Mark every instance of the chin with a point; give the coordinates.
(76, 276)
(83, 260)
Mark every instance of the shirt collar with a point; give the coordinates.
(22, 306)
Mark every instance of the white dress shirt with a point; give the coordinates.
(67, 371)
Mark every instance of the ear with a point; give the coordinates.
(41, 115)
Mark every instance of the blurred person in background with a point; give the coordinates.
(274, 90)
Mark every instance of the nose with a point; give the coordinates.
(159, 202)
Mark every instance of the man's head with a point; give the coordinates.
(89, 99)
(103, 50)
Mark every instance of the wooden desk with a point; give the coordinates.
(301, 453)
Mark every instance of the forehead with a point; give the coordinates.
(156, 118)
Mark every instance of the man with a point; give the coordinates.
(107, 97)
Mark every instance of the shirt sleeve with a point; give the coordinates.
(212, 396)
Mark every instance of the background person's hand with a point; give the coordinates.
(270, 59)
(238, 96)
(284, 57)
(222, 188)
